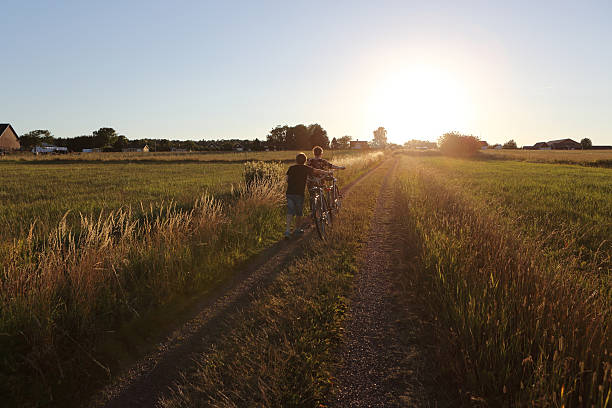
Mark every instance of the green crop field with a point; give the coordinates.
(541, 198)
(513, 263)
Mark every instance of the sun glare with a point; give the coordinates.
(419, 103)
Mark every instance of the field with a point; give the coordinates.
(599, 158)
(44, 188)
(508, 261)
(514, 263)
(138, 235)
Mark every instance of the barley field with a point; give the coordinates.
(513, 261)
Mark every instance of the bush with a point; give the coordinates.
(456, 144)
(510, 144)
(259, 171)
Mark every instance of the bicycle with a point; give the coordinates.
(325, 203)
(334, 199)
(319, 209)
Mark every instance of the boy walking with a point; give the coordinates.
(296, 185)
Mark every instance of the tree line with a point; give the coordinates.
(298, 137)
(108, 140)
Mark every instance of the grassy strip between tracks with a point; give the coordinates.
(121, 277)
(517, 327)
(280, 352)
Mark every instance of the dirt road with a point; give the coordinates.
(382, 367)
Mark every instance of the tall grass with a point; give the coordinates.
(61, 292)
(518, 328)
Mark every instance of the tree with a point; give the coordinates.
(318, 136)
(278, 137)
(104, 137)
(380, 137)
(344, 142)
(420, 144)
(35, 138)
(510, 144)
(586, 143)
(456, 144)
(298, 138)
(333, 144)
(120, 143)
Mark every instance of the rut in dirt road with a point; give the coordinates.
(377, 369)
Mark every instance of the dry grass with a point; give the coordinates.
(598, 158)
(285, 155)
(68, 288)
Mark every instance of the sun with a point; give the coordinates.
(420, 102)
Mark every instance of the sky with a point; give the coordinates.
(527, 71)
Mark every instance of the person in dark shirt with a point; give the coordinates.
(318, 162)
(296, 185)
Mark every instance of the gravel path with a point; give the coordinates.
(379, 369)
(151, 377)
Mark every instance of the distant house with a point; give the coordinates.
(143, 149)
(484, 145)
(496, 146)
(94, 150)
(564, 144)
(238, 147)
(8, 138)
(359, 144)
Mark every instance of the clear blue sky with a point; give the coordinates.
(527, 71)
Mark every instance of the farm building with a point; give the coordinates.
(561, 144)
(541, 146)
(8, 138)
(564, 144)
(358, 144)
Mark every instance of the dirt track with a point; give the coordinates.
(150, 377)
(382, 367)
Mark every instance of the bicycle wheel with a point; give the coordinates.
(337, 199)
(329, 205)
(319, 216)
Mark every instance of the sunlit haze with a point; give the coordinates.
(528, 71)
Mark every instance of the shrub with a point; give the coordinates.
(259, 171)
(510, 144)
(456, 144)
